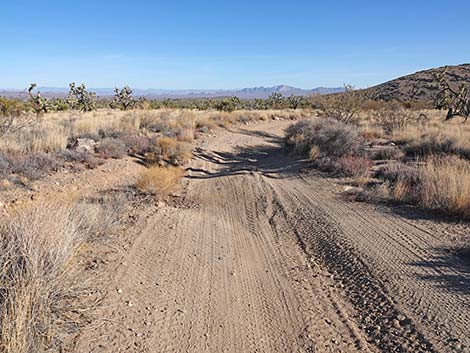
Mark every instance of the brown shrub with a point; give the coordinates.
(137, 144)
(356, 167)
(33, 166)
(159, 180)
(111, 148)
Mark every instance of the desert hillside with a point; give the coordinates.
(420, 86)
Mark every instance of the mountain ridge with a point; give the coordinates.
(243, 93)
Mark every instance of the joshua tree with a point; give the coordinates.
(123, 98)
(276, 100)
(456, 101)
(39, 104)
(80, 98)
(295, 101)
(228, 104)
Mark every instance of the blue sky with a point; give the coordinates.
(227, 44)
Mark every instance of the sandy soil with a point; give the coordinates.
(259, 256)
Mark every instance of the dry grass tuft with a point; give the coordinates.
(160, 181)
(36, 289)
(445, 185)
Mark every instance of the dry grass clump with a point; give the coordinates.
(161, 181)
(168, 150)
(445, 185)
(438, 183)
(37, 290)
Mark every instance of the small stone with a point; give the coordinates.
(119, 290)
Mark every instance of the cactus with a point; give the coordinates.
(123, 98)
(79, 98)
(38, 103)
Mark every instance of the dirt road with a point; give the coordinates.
(260, 257)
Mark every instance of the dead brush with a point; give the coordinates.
(394, 117)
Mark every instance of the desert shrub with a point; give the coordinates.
(393, 116)
(389, 153)
(11, 106)
(5, 166)
(87, 159)
(399, 171)
(327, 164)
(185, 134)
(12, 123)
(159, 180)
(430, 145)
(332, 137)
(137, 144)
(111, 148)
(313, 153)
(354, 166)
(343, 106)
(33, 166)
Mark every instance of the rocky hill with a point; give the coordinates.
(420, 86)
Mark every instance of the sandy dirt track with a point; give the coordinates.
(261, 257)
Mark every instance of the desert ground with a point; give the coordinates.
(257, 252)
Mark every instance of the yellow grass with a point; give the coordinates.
(445, 185)
(160, 181)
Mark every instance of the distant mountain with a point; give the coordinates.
(244, 93)
(420, 86)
